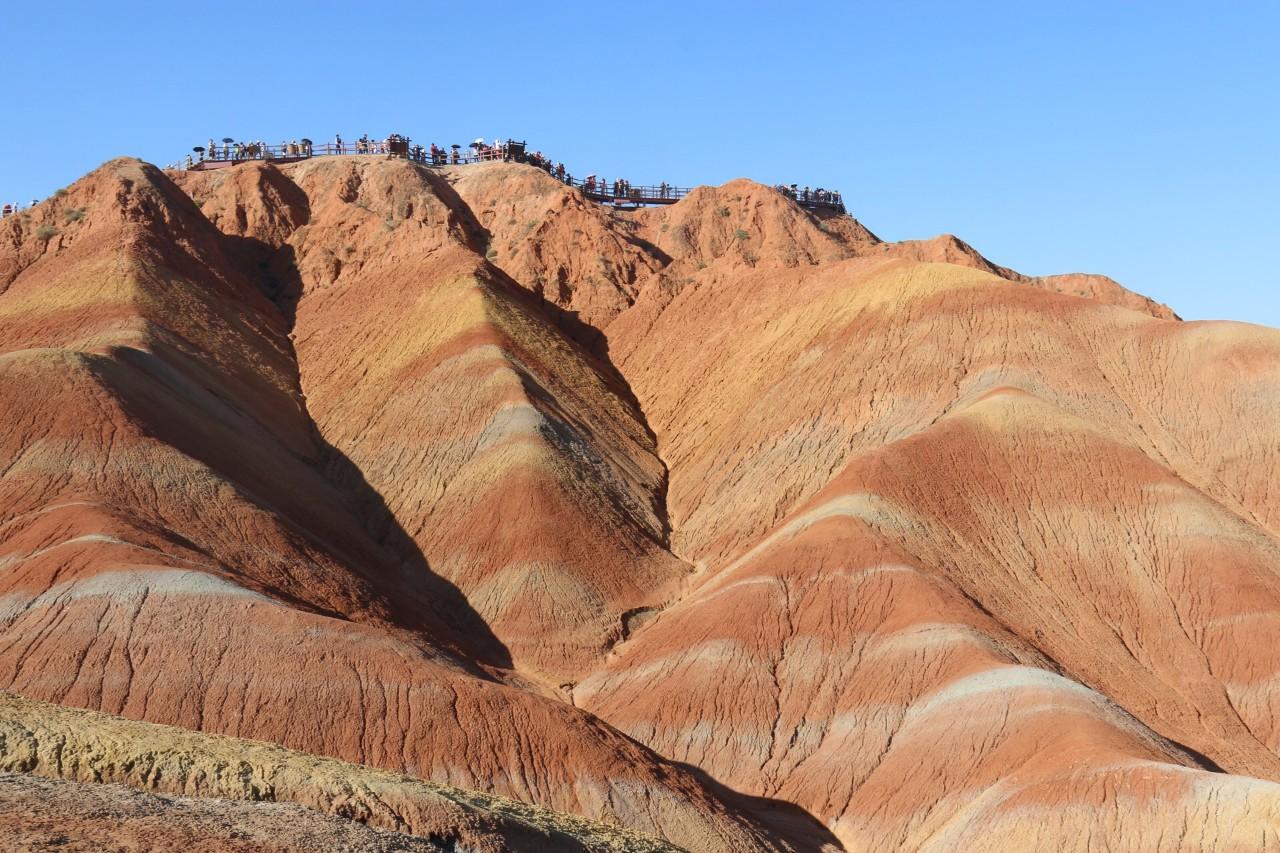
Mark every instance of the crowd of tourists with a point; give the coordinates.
(808, 196)
(619, 190)
(229, 149)
(623, 189)
(480, 151)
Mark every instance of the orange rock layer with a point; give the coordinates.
(723, 522)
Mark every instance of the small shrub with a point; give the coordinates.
(680, 238)
(389, 224)
(46, 232)
(492, 254)
(825, 227)
(663, 227)
(530, 225)
(60, 192)
(511, 222)
(723, 211)
(75, 214)
(740, 234)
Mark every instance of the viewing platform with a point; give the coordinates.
(620, 194)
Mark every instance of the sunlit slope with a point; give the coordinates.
(182, 545)
(514, 460)
(944, 521)
(792, 372)
(726, 522)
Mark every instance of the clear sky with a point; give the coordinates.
(1140, 140)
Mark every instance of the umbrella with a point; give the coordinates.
(199, 149)
(306, 141)
(476, 144)
(479, 141)
(228, 140)
(455, 146)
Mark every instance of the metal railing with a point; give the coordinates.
(813, 198)
(619, 193)
(13, 208)
(242, 152)
(622, 193)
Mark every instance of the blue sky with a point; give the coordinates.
(1140, 140)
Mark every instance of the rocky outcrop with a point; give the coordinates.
(38, 814)
(1102, 289)
(53, 742)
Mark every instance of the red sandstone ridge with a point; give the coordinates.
(726, 524)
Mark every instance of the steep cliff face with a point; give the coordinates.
(725, 522)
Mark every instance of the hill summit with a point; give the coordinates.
(723, 525)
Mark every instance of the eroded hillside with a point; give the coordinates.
(726, 522)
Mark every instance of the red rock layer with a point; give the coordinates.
(181, 545)
(974, 533)
(454, 473)
(486, 432)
